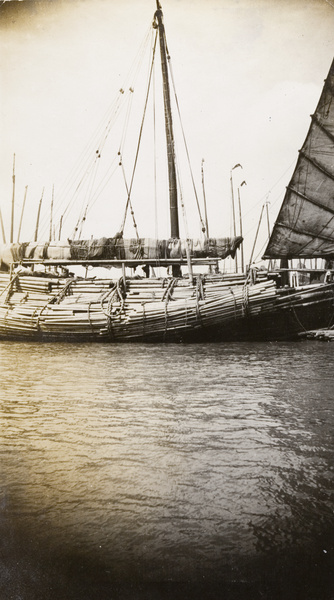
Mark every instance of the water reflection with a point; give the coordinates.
(148, 464)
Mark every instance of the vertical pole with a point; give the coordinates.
(285, 277)
(51, 213)
(267, 213)
(2, 228)
(233, 211)
(268, 225)
(204, 197)
(174, 217)
(13, 201)
(257, 231)
(38, 216)
(233, 217)
(60, 226)
(22, 211)
(169, 127)
(189, 263)
(240, 225)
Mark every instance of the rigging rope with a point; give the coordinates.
(140, 134)
(97, 140)
(127, 119)
(155, 163)
(130, 204)
(86, 162)
(185, 143)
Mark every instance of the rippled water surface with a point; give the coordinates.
(155, 471)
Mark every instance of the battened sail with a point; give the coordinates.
(305, 224)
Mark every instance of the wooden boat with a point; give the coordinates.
(40, 299)
(304, 228)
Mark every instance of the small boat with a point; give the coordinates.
(42, 298)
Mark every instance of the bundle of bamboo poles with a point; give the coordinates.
(34, 305)
(150, 308)
(218, 308)
(305, 296)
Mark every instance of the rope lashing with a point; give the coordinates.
(199, 296)
(245, 299)
(110, 296)
(297, 318)
(54, 300)
(186, 312)
(117, 293)
(9, 287)
(144, 318)
(88, 316)
(63, 292)
(167, 295)
(235, 303)
(166, 318)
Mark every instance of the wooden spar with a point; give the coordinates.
(13, 202)
(60, 227)
(153, 262)
(204, 198)
(190, 267)
(240, 225)
(174, 217)
(284, 264)
(257, 232)
(268, 225)
(22, 211)
(51, 213)
(38, 215)
(233, 211)
(2, 228)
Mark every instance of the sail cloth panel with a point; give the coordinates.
(305, 224)
(119, 249)
(150, 248)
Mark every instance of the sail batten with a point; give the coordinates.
(317, 165)
(322, 127)
(305, 223)
(317, 236)
(311, 200)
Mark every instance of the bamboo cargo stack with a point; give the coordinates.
(34, 306)
(162, 318)
(143, 309)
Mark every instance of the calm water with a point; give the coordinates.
(164, 471)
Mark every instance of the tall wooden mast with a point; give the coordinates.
(174, 217)
(13, 202)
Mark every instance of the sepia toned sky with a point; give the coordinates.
(248, 74)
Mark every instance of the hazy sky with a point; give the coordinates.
(248, 74)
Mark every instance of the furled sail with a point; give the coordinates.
(305, 224)
(118, 249)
